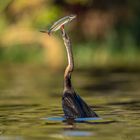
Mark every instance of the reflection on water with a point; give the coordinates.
(77, 133)
(28, 94)
(75, 120)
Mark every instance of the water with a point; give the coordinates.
(29, 93)
(74, 120)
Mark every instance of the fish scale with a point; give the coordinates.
(59, 23)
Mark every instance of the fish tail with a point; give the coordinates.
(43, 31)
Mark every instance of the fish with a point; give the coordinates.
(59, 23)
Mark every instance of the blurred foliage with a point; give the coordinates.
(21, 54)
(105, 34)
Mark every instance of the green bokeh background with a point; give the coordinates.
(104, 35)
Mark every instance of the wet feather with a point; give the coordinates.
(74, 106)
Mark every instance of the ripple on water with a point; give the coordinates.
(77, 119)
(77, 133)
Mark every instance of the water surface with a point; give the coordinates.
(28, 94)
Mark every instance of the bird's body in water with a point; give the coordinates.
(73, 105)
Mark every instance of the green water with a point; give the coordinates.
(28, 94)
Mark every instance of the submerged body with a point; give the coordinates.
(73, 105)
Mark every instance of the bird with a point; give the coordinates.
(73, 105)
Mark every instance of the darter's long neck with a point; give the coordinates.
(70, 67)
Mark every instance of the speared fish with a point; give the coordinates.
(59, 23)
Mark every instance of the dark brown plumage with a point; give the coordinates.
(73, 105)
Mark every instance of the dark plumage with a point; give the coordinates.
(75, 107)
